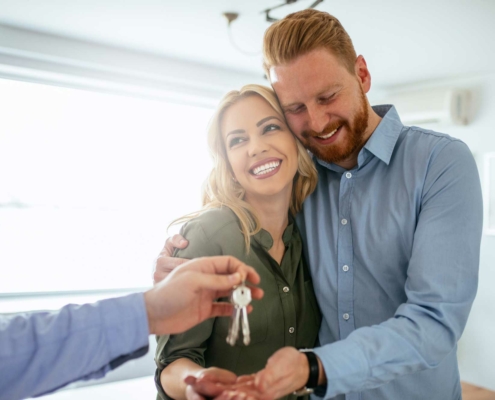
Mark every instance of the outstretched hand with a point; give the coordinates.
(188, 295)
(223, 385)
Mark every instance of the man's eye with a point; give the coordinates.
(326, 99)
(235, 141)
(271, 127)
(294, 110)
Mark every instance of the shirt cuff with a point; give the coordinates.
(345, 365)
(126, 327)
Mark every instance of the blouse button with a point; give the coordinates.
(291, 329)
(286, 289)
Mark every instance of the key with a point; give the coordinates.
(241, 297)
(234, 326)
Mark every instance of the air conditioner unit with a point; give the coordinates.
(431, 106)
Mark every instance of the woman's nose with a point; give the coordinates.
(257, 146)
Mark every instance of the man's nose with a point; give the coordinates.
(318, 119)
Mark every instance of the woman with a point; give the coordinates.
(260, 178)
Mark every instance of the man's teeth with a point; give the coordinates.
(266, 168)
(328, 134)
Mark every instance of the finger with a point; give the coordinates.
(176, 241)
(256, 293)
(217, 375)
(246, 378)
(211, 282)
(208, 389)
(231, 265)
(192, 395)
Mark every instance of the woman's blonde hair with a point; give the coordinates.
(221, 190)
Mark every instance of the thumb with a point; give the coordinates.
(215, 282)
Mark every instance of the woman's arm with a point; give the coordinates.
(172, 377)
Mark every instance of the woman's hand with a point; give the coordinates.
(210, 382)
(220, 384)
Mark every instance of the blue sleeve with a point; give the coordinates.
(441, 284)
(44, 351)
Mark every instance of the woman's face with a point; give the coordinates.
(260, 148)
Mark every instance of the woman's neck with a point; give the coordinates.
(272, 212)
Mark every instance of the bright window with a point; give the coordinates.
(89, 183)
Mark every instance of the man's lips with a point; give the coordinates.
(328, 137)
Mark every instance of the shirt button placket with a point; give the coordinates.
(345, 276)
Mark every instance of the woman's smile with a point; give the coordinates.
(265, 168)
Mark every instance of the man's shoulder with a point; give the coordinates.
(426, 138)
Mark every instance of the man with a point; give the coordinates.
(42, 352)
(392, 231)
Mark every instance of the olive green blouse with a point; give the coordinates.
(288, 314)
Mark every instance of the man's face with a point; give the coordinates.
(324, 104)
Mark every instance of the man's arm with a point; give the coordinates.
(441, 285)
(41, 352)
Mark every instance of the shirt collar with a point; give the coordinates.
(382, 142)
(265, 240)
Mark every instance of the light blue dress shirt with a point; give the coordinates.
(393, 246)
(41, 352)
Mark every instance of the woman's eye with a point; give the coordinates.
(235, 141)
(271, 127)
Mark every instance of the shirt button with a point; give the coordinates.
(344, 221)
(291, 329)
(345, 268)
(345, 316)
(348, 175)
(286, 289)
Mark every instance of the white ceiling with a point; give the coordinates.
(402, 41)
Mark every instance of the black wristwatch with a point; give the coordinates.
(314, 373)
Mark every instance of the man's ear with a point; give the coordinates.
(362, 73)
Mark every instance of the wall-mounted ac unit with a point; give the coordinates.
(431, 106)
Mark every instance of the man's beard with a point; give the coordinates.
(349, 144)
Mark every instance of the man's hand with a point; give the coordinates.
(221, 385)
(187, 296)
(165, 263)
(286, 371)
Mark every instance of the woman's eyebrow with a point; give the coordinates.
(235, 131)
(262, 121)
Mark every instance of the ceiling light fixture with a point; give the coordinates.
(232, 16)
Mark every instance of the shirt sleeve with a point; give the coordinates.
(44, 351)
(441, 284)
(191, 344)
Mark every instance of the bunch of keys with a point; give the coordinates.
(240, 298)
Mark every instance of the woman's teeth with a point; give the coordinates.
(328, 135)
(266, 168)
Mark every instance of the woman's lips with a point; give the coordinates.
(267, 172)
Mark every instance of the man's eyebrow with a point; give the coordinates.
(262, 121)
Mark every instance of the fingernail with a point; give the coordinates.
(182, 243)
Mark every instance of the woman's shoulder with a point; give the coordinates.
(214, 222)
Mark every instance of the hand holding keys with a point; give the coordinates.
(240, 298)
